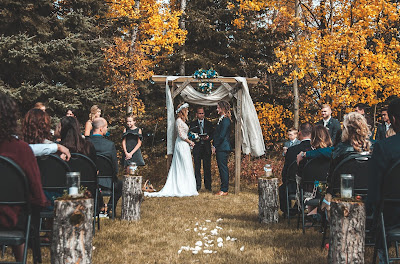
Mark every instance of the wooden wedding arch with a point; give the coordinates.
(234, 87)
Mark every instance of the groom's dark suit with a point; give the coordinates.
(202, 151)
(222, 148)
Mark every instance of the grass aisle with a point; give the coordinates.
(167, 224)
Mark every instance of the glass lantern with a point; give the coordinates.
(346, 185)
(73, 182)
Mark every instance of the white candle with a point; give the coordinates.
(346, 193)
(73, 190)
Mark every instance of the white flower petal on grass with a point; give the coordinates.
(195, 252)
(199, 234)
(220, 239)
(197, 248)
(199, 243)
(94, 247)
(179, 251)
(218, 227)
(185, 248)
(188, 229)
(206, 251)
(206, 245)
(233, 239)
(205, 228)
(208, 221)
(215, 252)
(228, 238)
(205, 238)
(214, 232)
(220, 244)
(203, 234)
(197, 223)
(195, 229)
(242, 248)
(219, 219)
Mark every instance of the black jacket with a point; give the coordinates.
(107, 148)
(333, 126)
(208, 128)
(291, 155)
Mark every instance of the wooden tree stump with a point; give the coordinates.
(132, 197)
(268, 200)
(72, 231)
(347, 232)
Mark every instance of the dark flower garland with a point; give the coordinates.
(205, 87)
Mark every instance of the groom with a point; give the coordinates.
(202, 149)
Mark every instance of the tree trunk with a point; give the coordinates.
(347, 232)
(182, 25)
(132, 197)
(296, 101)
(72, 231)
(268, 200)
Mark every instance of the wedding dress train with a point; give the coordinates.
(181, 180)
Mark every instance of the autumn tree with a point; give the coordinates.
(147, 32)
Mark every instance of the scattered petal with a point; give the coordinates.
(203, 234)
(197, 248)
(179, 251)
(233, 239)
(215, 252)
(199, 243)
(187, 229)
(94, 247)
(206, 251)
(205, 228)
(220, 244)
(219, 219)
(185, 248)
(197, 223)
(214, 232)
(220, 239)
(205, 238)
(195, 229)
(218, 227)
(195, 252)
(242, 248)
(206, 245)
(228, 238)
(208, 221)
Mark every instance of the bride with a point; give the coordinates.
(180, 180)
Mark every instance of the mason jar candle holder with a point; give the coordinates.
(346, 185)
(73, 182)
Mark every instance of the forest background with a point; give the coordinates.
(76, 53)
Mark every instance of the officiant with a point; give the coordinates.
(202, 148)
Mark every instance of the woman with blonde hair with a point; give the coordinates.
(95, 112)
(181, 180)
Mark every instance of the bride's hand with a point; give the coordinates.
(191, 143)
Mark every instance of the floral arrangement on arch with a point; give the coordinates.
(205, 87)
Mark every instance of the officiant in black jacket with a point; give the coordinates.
(202, 149)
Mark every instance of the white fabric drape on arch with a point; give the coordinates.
(253, 141)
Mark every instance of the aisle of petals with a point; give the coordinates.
(209, 240)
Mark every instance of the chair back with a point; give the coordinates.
(14, 188)
(87, 168)
(357, 165)
(53, 172)
(316, 170)
(390, 190)
(291, 172)
(106, 170)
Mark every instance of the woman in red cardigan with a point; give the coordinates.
(20, 153)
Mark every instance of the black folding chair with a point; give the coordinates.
(14, 191)
(107, 178)
(53, 173)
(390, 201)
(88, 170)
(357, 165)
(291, 189)
(314, 170)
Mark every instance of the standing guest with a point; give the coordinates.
(95, 112)
(36, 127)
(384, 126)
(221, 145)
(41, 106)
(361, 109)
(107, 148)
(292, 135)
(131, 142)
(69, 112)
(20, 152)
(329, 122)
(202, 150)
(291, 154)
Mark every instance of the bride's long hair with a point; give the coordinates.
(183, 114)
(226, 108)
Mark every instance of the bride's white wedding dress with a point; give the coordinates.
(180, 180)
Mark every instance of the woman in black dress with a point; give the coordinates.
(131, 142)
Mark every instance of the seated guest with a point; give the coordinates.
(385, 154)
(71, 138)
(291, 154)
(20, 152)
(107, 148)
(292, 136)
(320, 140)
(36, 127)
(355, 139)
